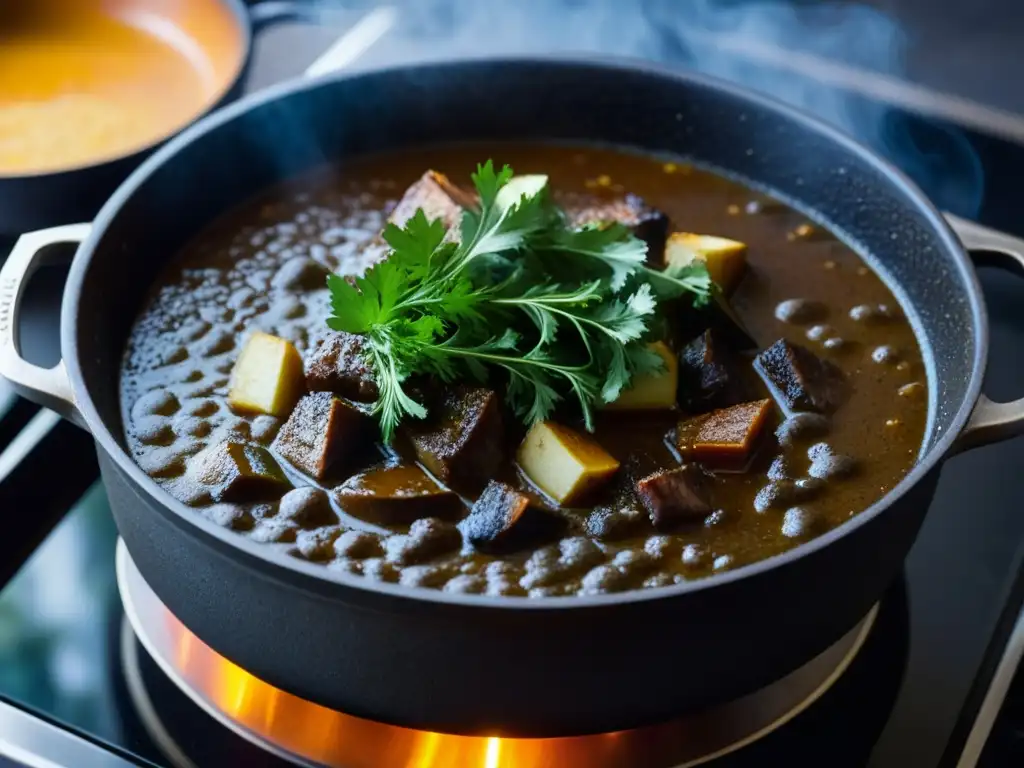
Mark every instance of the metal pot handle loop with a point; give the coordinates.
(349, 47)
(267, 13)
(991, 421)
(50, 387)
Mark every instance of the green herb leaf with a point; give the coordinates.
(612, 245)
(675, 281)
(509, 214)
(489, 307)
(386, 359)
(413, 246)
(350, 312)
(626, 321)
(488, 182)
(643, 360)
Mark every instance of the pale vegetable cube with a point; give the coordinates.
(651, 391)
(563, 463)
(267, 377)
(725, 259)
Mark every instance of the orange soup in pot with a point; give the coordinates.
(82, 82)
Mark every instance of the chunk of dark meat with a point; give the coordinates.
(800, 379)
(675, 495)
(709, 374)
(718, 315)
(648, 224)
(504, 519)
(494, 514)
(396, 495)
(462, 443)
(321, 430)
(438, 198)
(234, 472)
(338, 365)
(723, 439)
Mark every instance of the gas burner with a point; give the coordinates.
(299, 731)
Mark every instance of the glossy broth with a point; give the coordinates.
(223, 286)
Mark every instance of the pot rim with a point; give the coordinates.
(245, 28)
(270, 562)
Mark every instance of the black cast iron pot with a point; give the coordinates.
(30, 201)
(458, 663)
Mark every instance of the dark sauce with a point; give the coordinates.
(241, 275)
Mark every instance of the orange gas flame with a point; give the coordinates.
(331, 738)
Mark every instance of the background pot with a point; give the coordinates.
(464, 663)
(36, 200)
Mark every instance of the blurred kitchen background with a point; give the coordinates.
(873, 68)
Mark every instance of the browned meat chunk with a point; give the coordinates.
(438, 198)
(504, 519)
(800, 379)
(396, 495)
(648, 224)
(724, 439)
(494, 514)
(322, 429)
(718, 315)
(337, 365)
(234, 472)
(675, 495)
(709, 373)
(462, 442)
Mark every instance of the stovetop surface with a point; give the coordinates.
(60, 618)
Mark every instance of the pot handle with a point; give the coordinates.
(266, 13)
(346, 49)
(50, 387)
(991, 421)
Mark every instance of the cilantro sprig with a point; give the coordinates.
(520, 297)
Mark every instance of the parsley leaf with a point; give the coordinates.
(511, 211)
(351, 313)
(612, 245)
(675, 281)
(413, 246)
(489, 307)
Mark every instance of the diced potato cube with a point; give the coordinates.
(235, 472)
(267, 377)
(651, 391)
(723, 439)
(563, 463)
(726, 259)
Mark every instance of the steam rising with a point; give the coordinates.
(823, 58)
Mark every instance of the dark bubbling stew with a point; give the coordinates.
(605, 372)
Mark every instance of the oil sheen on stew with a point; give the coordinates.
(770, 467)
